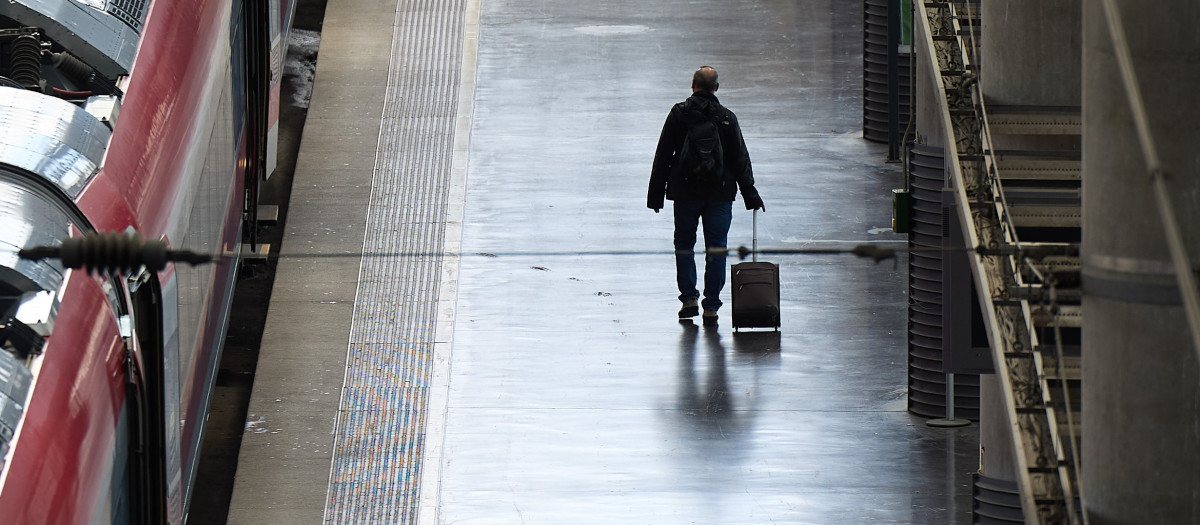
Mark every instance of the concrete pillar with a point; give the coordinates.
(1141, 388)
(1031, 54)
(997, 456)
(927, 114)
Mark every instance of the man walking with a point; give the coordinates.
(700, 164)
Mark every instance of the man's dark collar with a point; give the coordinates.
(707, 95)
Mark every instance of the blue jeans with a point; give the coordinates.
(717, 215)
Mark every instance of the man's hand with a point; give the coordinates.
(756, 203)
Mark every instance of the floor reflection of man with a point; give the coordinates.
(708, 403)
(714, 448)
(712, 426)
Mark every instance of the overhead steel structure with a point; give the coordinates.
(1028, 290)
(1015, 205)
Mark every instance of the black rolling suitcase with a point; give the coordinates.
(755, 290)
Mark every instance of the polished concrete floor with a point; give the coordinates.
(575, 394)
(559, 386)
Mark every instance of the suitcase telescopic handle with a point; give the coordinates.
(754, 236)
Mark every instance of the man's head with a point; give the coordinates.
(705, 79)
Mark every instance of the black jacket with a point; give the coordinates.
(664, 179)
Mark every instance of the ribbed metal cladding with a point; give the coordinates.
(379, 438)
(875, 75)
(998, 502)
(926, 381)
(995, 501)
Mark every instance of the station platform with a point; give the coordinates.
(474, 314)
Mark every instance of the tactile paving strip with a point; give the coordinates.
(375, 474)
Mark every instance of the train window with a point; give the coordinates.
(237, 44)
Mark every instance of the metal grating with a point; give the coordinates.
(379, 437)
(92, 33)
(995, 501)
(875, 75)
(132, 12)
(926, 380)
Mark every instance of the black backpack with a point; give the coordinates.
(701, 158)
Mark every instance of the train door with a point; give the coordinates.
(153, 392)
(257, 67)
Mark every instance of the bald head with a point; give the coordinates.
(705, 79)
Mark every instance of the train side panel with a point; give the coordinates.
(174, 155)
(175, 169)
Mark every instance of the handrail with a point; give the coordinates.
(1166, 211)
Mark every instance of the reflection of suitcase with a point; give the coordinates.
(755, 290)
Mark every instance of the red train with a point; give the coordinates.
(154, 116)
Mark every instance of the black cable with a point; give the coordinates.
(114, 253)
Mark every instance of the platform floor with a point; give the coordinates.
(515, 357)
